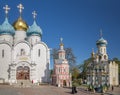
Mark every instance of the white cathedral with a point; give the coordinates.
(23, 55)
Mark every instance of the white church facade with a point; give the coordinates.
(23, 54)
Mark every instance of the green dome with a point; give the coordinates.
(6, 28)
(101, 42)
(34, 29)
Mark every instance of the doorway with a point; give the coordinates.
(64, 82)
(23, 73)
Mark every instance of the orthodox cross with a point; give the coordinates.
(101, 33)
(93, 50)
(6, 8)
(20, 7)
(61, 39)
(34, 14)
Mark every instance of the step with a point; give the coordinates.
(23, 83)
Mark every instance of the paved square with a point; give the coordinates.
(47, 90)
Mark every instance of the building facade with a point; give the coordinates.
(102, 71)
(23, 54)
(61, 75)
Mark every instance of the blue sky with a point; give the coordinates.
(78, 22)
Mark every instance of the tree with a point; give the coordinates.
(69, 56)
(75, 73)
(75, 76)
(83, 67)
(51, 72)
(54, 53)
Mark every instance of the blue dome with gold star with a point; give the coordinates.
(6, 28)
(101, 42)
(34, 29)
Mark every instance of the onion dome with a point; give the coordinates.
(20, 24)
(34, 29)
(6, 28)
(93, 53)
(101, 42)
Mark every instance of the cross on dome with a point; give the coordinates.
(6, 8)
(92, 49)
(61, 39)
(61, 43)
(20, 7)
(101, 33)
(34, 14)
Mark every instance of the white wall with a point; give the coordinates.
(41, 61)
(34, 39)
(113, 73)
(6, 38)
(5, 61)
(20, 35)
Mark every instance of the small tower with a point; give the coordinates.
(101, 45)
(6, 29)
(34, 32)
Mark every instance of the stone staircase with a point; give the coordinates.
(23, 83)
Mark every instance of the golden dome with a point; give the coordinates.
(20, 24)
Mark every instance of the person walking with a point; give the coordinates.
(112, 88)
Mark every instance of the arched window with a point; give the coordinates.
(100, 57)
(64, 69)
(38, 52)
(105, 57)
(22, 52)
(3, 53)
(104, 50)
(59, 69)
(101, 50)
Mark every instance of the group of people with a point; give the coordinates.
(75, 91)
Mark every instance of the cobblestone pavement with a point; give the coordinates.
(45, 90)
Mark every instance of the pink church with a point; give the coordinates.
(61, 75)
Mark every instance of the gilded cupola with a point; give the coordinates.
(20, 24)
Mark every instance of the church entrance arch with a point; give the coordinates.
(23, 73)
(64, 82)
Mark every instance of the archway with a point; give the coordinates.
(23, 73)
(64, 82)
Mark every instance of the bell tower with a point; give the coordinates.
(61, 52)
